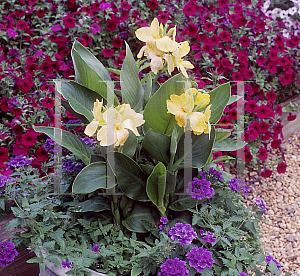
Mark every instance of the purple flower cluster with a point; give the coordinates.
(89, 141)
(243, 274)
(164, 222)
(200, 258)
(238, 185)
(183, 233)
(208, 236)
(214, 176)
(271, 258)
(261, 205)
(7, 253)
(96, 247)
(4, 179)
(49, 146)
(66, 264)
(73, 122)
(173, 267)
(18, 161)
(70, 165)
(200, 188)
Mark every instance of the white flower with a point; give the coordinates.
(292, 10)
(283, 14)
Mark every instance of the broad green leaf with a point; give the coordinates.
(96, 204)
(67, 106)
(219, 98)
(148, 88)
(91, 71)
(158, 145)
(131, 178)
(134, 221)
(200, 150)
(156, 186)
(130, 145)
(173, 146)
(156, 114)
(131, 87)
(222, 158)
(222, 134)
(233, 99)
(68, 141)
(182, 203)
(228, 145)
(80, 98)
(92, 178)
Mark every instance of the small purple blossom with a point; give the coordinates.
(163, 220)
(96, 247)
(214, 175)
(49, 146)
(7, 253)
(18, 161)
(243, 274)
(209, 237)
(200, 258)
(271, 258)
(66, 264)
(200, 188)
(70, 165)
(261, 205)
(4, 179)
(184, 233)
(89, 141)
(173, 267)
(238, 185)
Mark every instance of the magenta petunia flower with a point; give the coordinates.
(12, 33)
(95, 28)
(104, 6)
(55, 28)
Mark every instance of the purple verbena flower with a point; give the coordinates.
(66, 264)
(7, 253)
(173, 267)
(243, 274)
(4, 179)
(271, 258)
(96, 247)
(89, 141)
(184, 233)
(200, 258)
(261, 205)
(215, 175)
(200, 188)
(238, 185)
(208, 237)
(18, 161)
(163, 220)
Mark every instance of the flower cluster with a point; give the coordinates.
(173, 267)
(200, 188)
(97, 247)
(120, 119)
(238, 185)
(185, 108)
(7, 253)
(200, 258)
(259, 202)
(66, 264)
(208, 236)
(270, 258)
(4, 179)
(184, 233)
(18, 161)
(243, 274)
(160, 47)
(71, 163)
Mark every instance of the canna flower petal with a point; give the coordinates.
(184, 48)
(165, 44)
(202, 97)
(169, 59)
(91, 128)
(198, 122)
(122, 135)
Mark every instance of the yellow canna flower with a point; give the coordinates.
(175, 59)
(120, 119)
(183, 108)
(91, 128)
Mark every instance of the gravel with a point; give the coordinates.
(281, 194)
